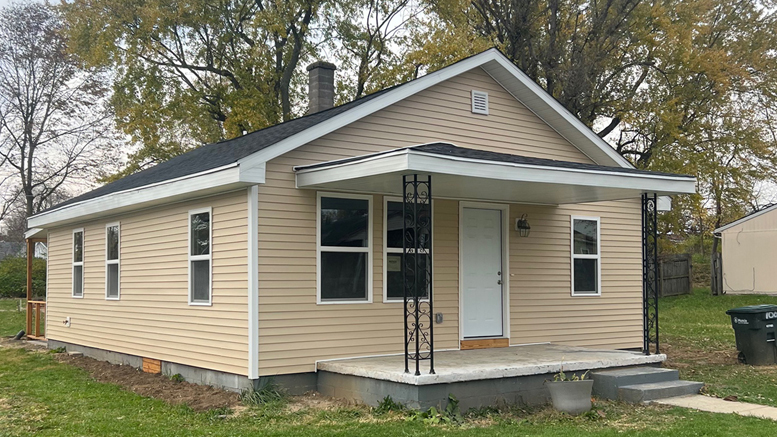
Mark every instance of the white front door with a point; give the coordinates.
(481, 264)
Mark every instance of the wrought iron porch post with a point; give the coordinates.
(650, 283)
(417, 271)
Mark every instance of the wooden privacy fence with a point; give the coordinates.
(676, 275)
(716, 280)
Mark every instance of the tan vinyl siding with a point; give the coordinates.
(541, 306)
(749, 255)
(153, 318)
(294, 331)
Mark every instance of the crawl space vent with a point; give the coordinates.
(479, 102)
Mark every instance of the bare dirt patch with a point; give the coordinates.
(316, 401)
(681, 357)
(198, 397)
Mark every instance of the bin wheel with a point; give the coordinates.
(741, 358)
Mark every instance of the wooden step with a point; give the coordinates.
(484, 343)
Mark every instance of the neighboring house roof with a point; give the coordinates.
(752, 215)
(241, 161)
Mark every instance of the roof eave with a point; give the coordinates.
(198, 185)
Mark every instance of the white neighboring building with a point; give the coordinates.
(749, 248)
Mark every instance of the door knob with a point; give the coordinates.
(499, 282)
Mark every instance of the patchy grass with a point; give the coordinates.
(11, 319)
(696, 335)
(40, 396)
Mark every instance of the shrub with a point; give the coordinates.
(13, 277)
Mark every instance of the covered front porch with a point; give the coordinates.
(488, 188)
(512, 375)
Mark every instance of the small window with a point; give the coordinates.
(200, 256)
(112, 269)
(586, 257)
(392, 259)
(479, 102)
(345, 248)
(78, 263)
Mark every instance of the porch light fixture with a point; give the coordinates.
(522, 226)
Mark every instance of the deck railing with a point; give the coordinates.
(34, 310)
(34, 307)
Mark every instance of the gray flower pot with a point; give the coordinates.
(573, 397)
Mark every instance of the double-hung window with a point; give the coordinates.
(112, 269)
(344, 248)
(78, 263)
(200, 256)
(586, 257)
(393, 226)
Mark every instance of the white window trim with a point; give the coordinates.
(116, 261)
(387, 250)
(208, 257)
(74, 263)
(368, 249)
(597, 257)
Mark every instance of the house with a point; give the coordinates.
(395, 245)
(748, 252)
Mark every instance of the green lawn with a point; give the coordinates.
(39, 396)
(11, 320)
(700, 342)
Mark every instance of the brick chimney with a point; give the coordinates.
(321, 86)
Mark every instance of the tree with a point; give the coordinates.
(588, 55)
(196, 71)
(53, 130)
(685, 86)
(368, 39)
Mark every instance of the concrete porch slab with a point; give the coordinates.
(481, 364)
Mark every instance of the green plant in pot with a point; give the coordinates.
(571, 393)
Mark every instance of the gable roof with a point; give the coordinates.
(752, 215)
(213, 156)
(250, 152)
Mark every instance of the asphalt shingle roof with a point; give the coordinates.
(447, 149)
(219, 154)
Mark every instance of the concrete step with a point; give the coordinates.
(639, 393)
(607, 382)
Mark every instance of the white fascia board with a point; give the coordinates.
(365, 109)
(546, 101)
(429, 163)
(32, 232)
(195, 185)
(541, 103)
(744, 219)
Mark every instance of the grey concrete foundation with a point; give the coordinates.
(523, 390)
(196, 375)
(295, 384)
(99, 354)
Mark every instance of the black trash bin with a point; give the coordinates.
(754, 327)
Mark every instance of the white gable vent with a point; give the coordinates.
(479, 102)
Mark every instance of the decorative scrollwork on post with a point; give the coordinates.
(417, 271)
(650, 279)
